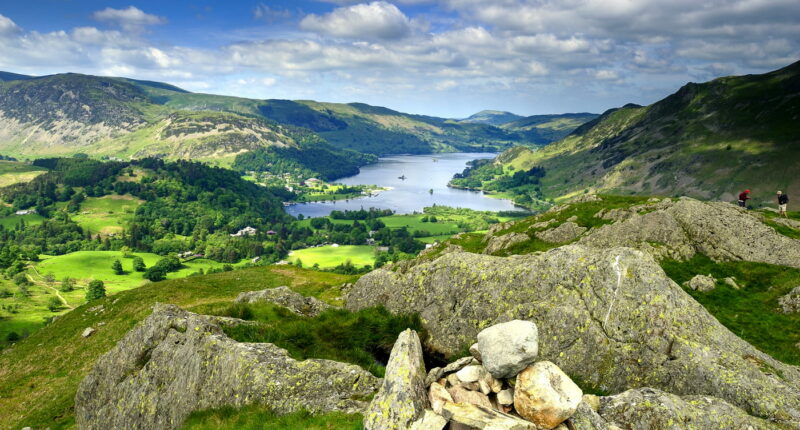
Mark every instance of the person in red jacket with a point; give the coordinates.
(744, 196)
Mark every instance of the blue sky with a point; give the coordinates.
(439, 57)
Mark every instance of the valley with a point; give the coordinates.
(173, 259)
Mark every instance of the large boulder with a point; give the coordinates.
(402, 398)
(507, 348)
(472, 416)
(176, 362)
(647, 408)
(611, 317)
(545, 395)
(702, 283)
(497, 243)
(284, 296)
(681, 229)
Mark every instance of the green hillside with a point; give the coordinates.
(708, 140)
(492, 117)
(548, 128)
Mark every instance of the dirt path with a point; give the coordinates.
(53, 289)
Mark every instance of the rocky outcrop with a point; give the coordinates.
(681, 229)
(497, 243)
(507, 348)
(284, 296)
(175, 362)
(479, 417)
(402, 398)
(790, 303)
(647, 408)
(611, 316)
(702, 283)
(566, 232)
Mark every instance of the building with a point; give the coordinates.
(25, 212)
(247, 231)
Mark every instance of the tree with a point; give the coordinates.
(67, 284)
(298, 263)
(117, 267)
(138, 264)
(155, 274)
(54, 304)
(95, 290)
(21, 279)
(23, 290)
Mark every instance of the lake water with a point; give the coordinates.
(412, 194)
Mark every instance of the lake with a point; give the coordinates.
(412, 194)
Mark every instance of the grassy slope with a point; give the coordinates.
(328, 256)
(707, 140)
(39, 376)
(108, 214)
(255, 418)
(13, 220)
(12, 172)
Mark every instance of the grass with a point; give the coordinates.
(12, 221)
(260, 418)
(105, 215)
(82, 266)
(40, 375)
(752, 311)
(87, 265)
(364, 338)
(12, 172)
(330, 256)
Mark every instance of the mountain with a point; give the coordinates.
(708, 140)
(71, 113)
(548, 128)
(492, 117)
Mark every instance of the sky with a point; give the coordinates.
(448, 58)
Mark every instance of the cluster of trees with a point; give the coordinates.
(361, 214)
(308, 159)
(523, 185)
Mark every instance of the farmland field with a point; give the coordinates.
(330, 256)
(106, 215)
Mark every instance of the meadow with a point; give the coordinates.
(12, 221)
(106, 215)
(12, 172)
(329, 256)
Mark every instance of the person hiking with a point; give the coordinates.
(783, 201)
(744, 196)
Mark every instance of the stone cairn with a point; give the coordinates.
(500, 387)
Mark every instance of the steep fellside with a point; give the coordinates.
(707, 140)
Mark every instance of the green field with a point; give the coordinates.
(12, 172)
(82, 266)
(330, 256)
(106, 215)
(12, 220)
(87, 265)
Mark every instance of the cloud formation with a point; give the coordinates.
(376, 20)
(445, 57)
(130, 19)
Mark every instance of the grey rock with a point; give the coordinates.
(478, 417)
(731, 282)
(586, 418)
(787, 222)
(790, 303)
(566, 232)
(592, 401)
(506, 397)
(475, 352)
(498, 243)
(545, 395)
(439, 372)
(175, 362)
(284, 296)
(471, 373)
(464, 395)
(681, 229)
(612, 318)
(402, 398)
(702, 283)
(647, 408)
(438, 396)
(507, 348)
(430, 421)
(88, 331)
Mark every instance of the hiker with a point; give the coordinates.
(744, 196)
(783, 201)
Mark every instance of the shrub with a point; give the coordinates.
(21, 279)
(67, 284)
(117, 267)
(155, 274)
(138, 264)
(95, 290)
(54, 304)
(12, 336)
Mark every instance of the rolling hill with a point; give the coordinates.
(492, 117)
(708, 140)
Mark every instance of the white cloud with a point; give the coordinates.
(268, 14)
(7, 26)
(131, 19)
(376, 20)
